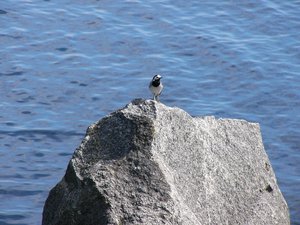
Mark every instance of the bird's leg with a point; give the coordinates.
(157, 98)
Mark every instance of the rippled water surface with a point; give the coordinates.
(65, 64)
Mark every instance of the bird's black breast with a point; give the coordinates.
(156, 83)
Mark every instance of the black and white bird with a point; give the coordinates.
(156, 87)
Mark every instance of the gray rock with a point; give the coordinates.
(152, 164)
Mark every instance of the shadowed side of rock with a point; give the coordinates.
(72, 204)
(111, 178)
(151, 164)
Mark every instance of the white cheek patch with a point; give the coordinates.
(157, 77)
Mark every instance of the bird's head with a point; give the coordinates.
(156, 77)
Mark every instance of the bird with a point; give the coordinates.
(156, 87)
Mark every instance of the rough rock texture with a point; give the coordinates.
(152, 164)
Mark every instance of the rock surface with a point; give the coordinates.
(152, 164)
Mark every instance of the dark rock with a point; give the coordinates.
(152, 164)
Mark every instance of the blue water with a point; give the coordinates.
(65, 64)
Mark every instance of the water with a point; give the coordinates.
(65, 64)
